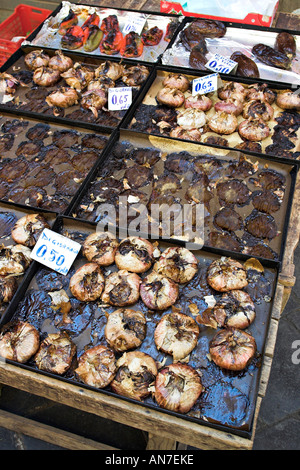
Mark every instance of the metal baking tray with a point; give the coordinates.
(9, 214)
(47, 34)
(238, 37)
(29, 100)
(44, 164)
(228, 400)
(134, 164)
(282, 144)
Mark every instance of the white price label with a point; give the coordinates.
(206, 84)
(135, 24)
(55, 251)
(119, 98)
(221, 64)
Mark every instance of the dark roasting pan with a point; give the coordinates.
(233, 414)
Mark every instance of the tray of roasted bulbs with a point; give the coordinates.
(66, 87)
(226, 199)
(149, 321)
(101, 31)
(238, 114)
(259, 53)
(44, 164)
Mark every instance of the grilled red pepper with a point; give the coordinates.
(70, 20)
(93, 39)
(152, 37)
(132, 45)
(110, 23)
(74, 38)
(92, 20)
(111, 42)
(171, 28)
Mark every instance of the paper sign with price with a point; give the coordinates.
(206, 84)
(221, 64)
(55, 251)
(135, 24)
(119, 98)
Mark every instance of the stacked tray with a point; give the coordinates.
(34, 96)
(275, 135)
(232, 38)
(44, 164)
(87, 169)
(233, 188)
(85, 323)
(160, 30)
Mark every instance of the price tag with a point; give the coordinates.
(135, 24)
(221, 64)
(119, 98)
(55, 251)
(206, 84)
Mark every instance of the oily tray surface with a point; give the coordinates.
(68, 87)
(252, 117)
(243, 200)
(218, 396)
(43, 165)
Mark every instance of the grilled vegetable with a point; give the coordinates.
(109, 23)
(132, 45)
(92, 20)
(93, 39)
(111, 42)
(209, 28)
(74, 38)
(270, 56)
(246, 66)
(286, 43)
(197, 59)
(171, 28)
(70, 20)
(152, 37)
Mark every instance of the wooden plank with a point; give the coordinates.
(119, 410)
(271, 340)
(155, 442)
(49, 434)
(286, 277)
(265, 375)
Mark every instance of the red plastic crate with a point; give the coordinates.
(22, 22)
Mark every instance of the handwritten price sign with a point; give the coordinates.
(206, 84)
(119, 98)
(55, 251)
(221, 64)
